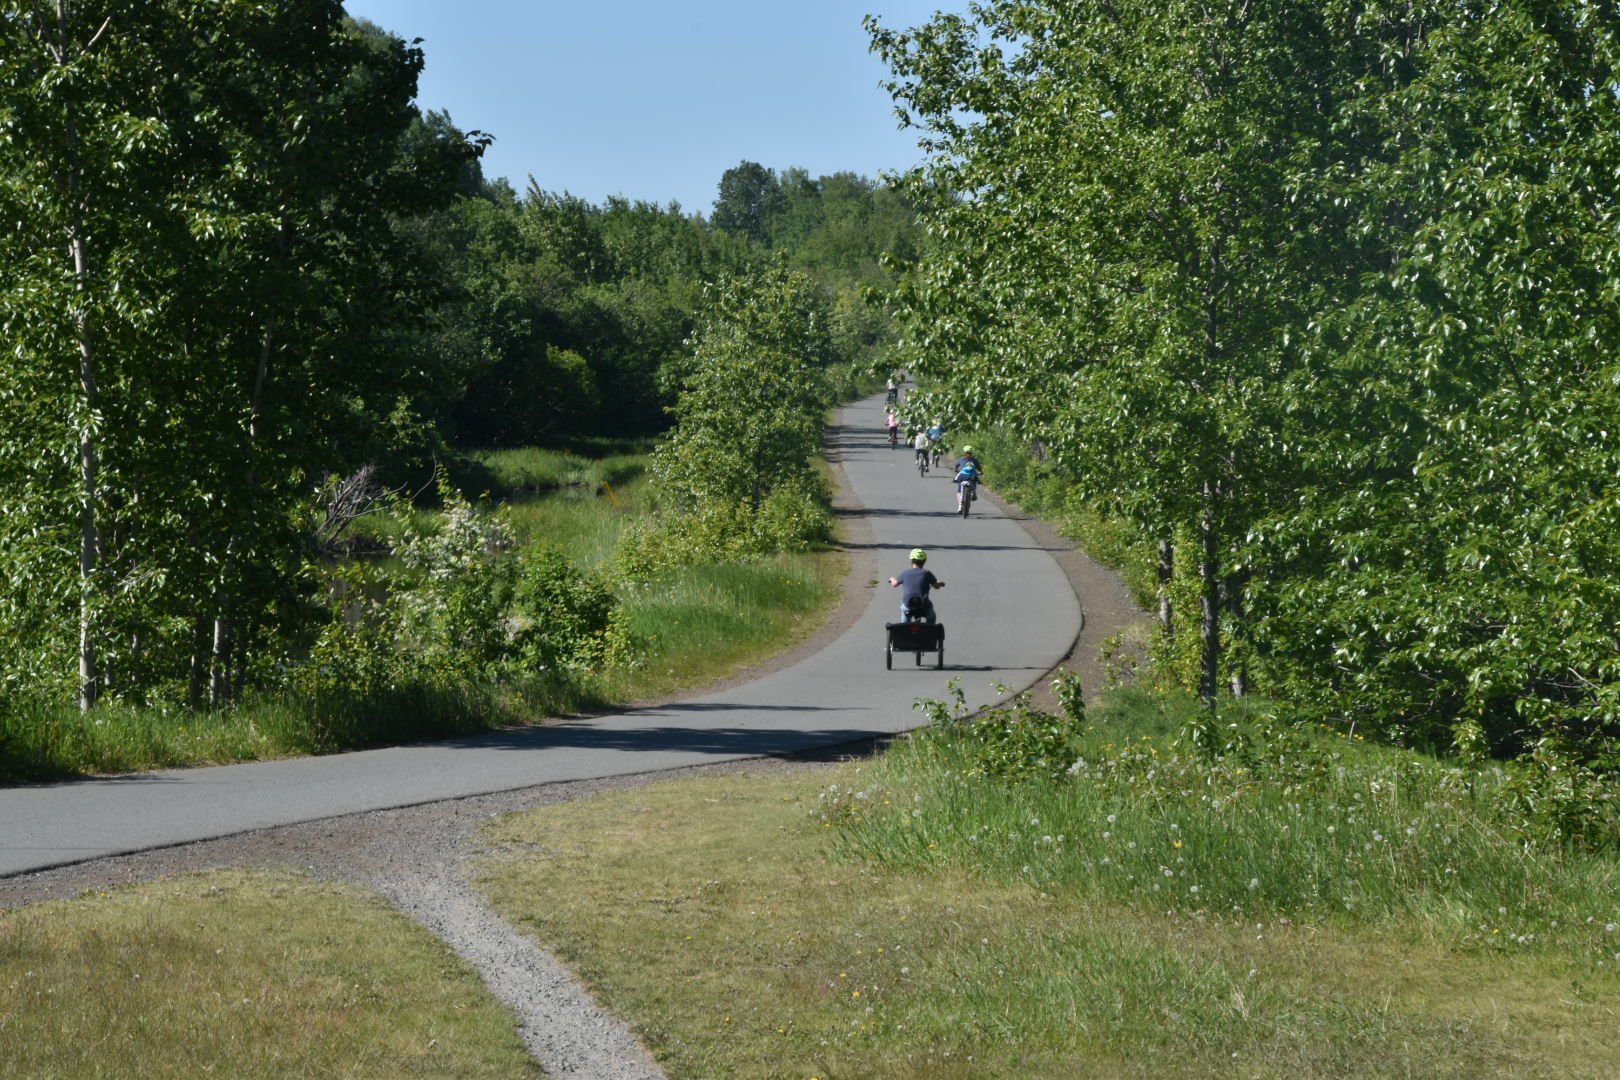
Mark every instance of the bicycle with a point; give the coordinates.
(965, 495)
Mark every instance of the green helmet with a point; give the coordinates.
(919, 555)
(967, 449)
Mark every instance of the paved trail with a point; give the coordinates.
(1010, 615)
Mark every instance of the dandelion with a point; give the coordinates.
(1254, 883)
(1112, 818)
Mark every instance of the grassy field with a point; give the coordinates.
(241, 975)
(897, 919)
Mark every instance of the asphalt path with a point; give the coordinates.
(1010, 616)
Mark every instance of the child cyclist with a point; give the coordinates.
(914, 585)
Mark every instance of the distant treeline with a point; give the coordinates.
(1324, 300)
(563, 317)
(240, 266)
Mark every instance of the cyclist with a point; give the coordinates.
(936, 435)
(967, 469)
(968, 456)
(922, 444)
(914, 585)
(893, 397)
(894, 428)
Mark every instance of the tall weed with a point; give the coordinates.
(1240, 817)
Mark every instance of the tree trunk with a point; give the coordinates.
(199, 661)
(223, 689)
(1167, 570)
(1210, 601)
(1234, 604)
(759, 477)
(219, 670)
(89, 532)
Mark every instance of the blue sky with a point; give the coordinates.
(655, 100)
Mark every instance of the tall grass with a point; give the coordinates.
(582, 523)
(44, 741)
(1314, 827)
(534, 470)
(695, 623)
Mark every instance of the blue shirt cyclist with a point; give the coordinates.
(914, 585)
(968, 467)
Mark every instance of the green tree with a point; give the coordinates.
(1452, 558)
(1114, 258)
(239, 248)
(750, 195)
(748, 419)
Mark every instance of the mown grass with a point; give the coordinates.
(241, 975)
(756, 927)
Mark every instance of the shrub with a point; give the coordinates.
(1018, 742)
(564, 618)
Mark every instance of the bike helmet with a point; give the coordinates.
(967, 449)
(919, 555)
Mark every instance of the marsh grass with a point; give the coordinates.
(717, 916)
(241, 975)
(584, 524)
(532, 470)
